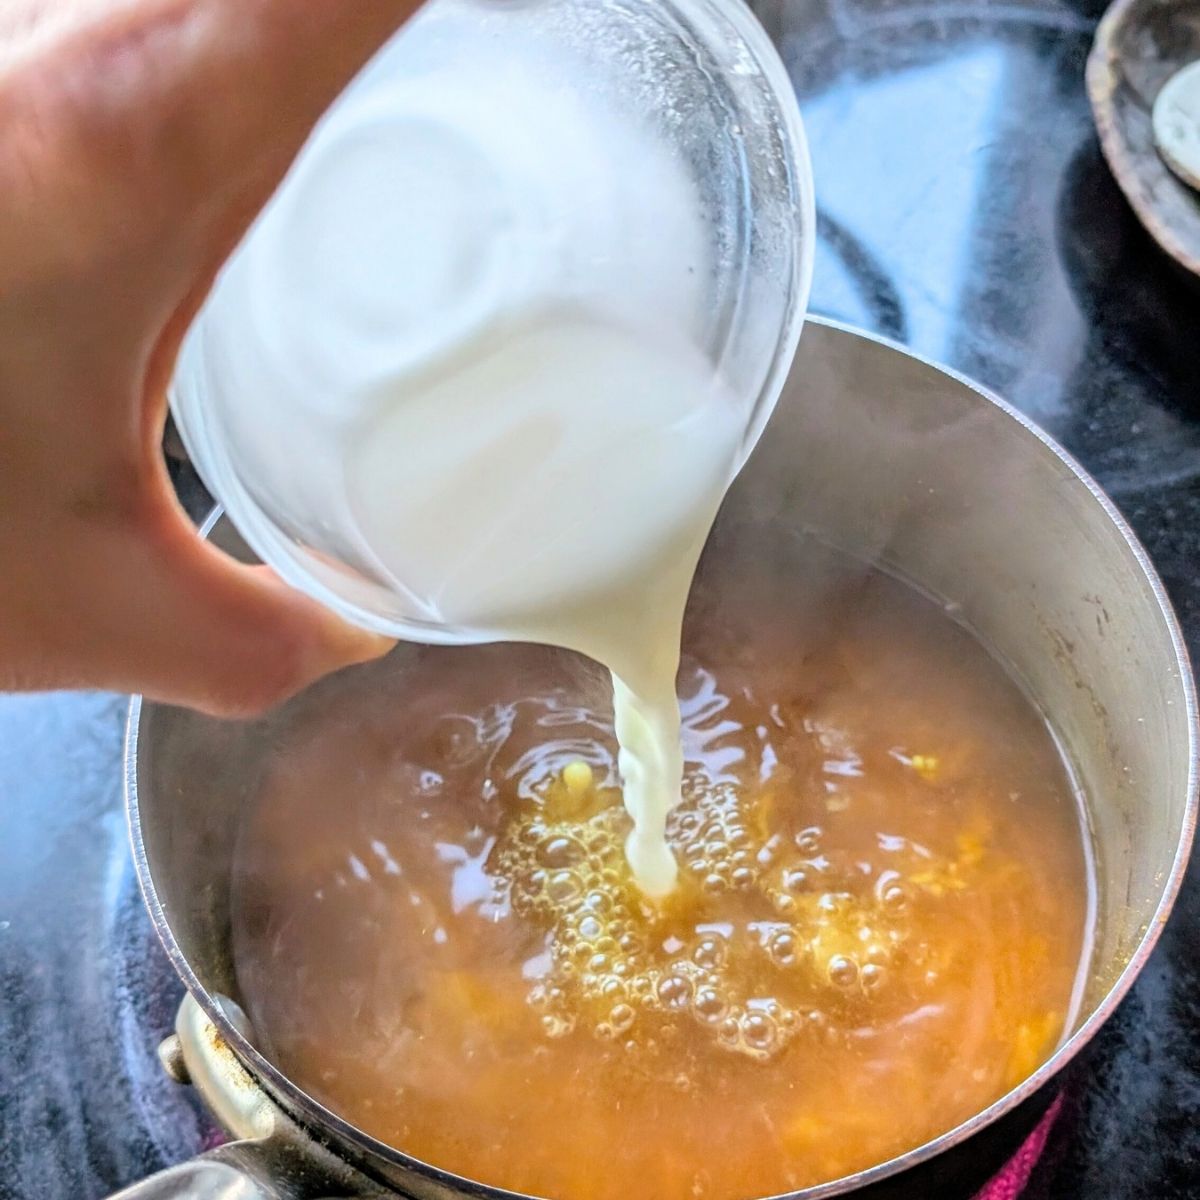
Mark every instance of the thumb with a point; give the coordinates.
(189, 625)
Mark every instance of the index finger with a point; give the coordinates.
(181, 105)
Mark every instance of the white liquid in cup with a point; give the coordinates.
(462, 350)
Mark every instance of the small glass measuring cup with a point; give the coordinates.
(568, 206)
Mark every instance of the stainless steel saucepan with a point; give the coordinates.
(896, 461)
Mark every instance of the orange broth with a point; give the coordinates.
(883, 911)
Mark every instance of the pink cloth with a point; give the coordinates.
(212, 1139)
(1011, 1181)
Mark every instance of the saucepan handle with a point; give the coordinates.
(238, 1171)
(275, 1159)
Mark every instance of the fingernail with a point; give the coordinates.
(348, 643)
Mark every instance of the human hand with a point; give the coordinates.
(138, 140)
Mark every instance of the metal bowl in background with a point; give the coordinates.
(903, 464)
(1139, 45)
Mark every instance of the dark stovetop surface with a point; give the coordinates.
(965, 211)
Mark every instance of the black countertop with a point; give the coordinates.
(966, 211)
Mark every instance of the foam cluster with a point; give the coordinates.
(763, 941)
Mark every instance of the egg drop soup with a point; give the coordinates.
(880, 926)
